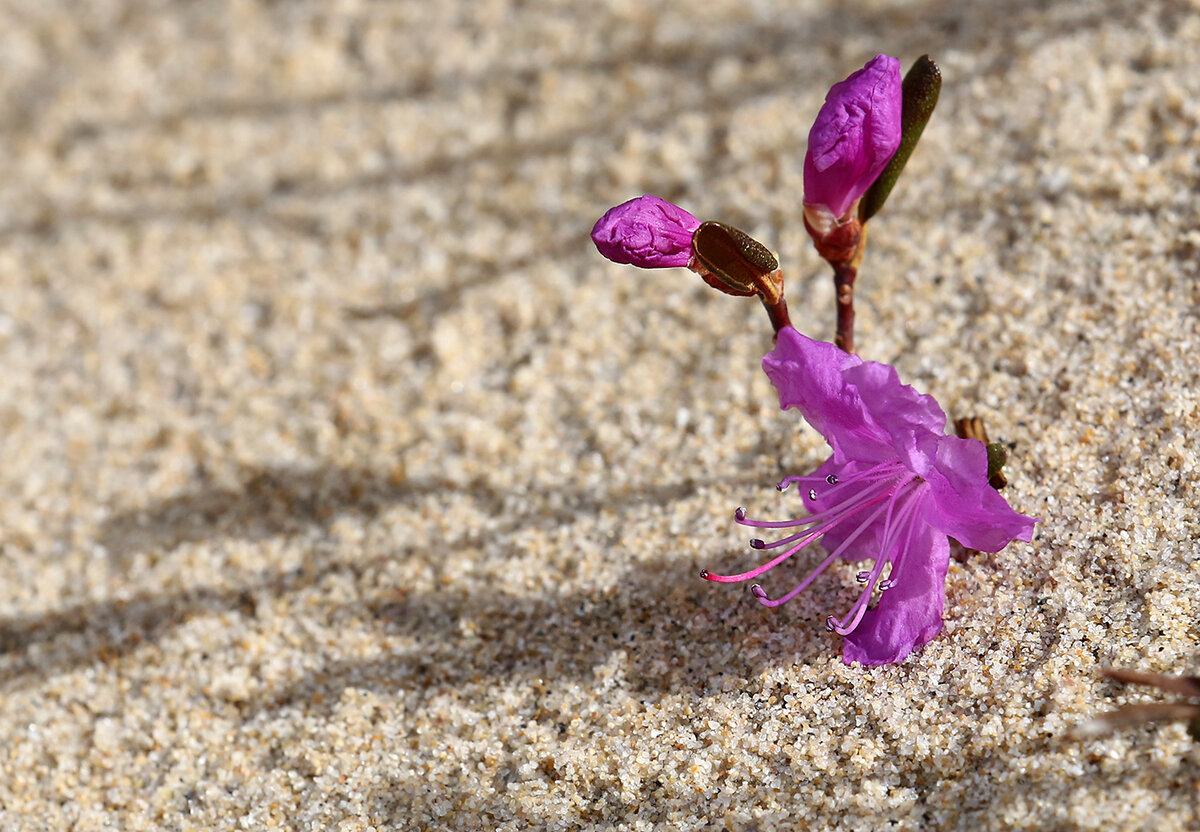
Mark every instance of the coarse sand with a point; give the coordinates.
(347, 487)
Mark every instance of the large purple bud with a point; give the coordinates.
(855, 135)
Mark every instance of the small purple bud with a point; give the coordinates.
(855, 135)
(648, 232)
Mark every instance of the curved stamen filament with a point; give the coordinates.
(891, 536)
(761, 595)
(830, 518)
(809, 537)
(879, 496)
(874, 472)
(856, 501)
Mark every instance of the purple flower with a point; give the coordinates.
(894, 489)
(855, 135)
(648, 232)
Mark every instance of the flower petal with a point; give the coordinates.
(913, 421)
(909, 614)
(808, 375)
(962, 503)
(860, 407)
(648, 232)
(854, 136)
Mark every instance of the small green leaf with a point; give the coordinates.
(997, 455)
(920, 94)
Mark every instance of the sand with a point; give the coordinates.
(346, 487)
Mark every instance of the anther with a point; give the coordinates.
(829, 625)
(812, 494)
(884, 586)
(758, 592)
(740, 514)
(782, 486)
(704, 574)
(862, 577)
(757, 544)
(831, 479)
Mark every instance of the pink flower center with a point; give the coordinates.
(854, 504)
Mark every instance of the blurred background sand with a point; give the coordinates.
(347, 487)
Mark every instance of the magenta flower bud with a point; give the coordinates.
(648, 232)
(855, 135)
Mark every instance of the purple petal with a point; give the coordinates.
(909, 614)
(808, 375)
(856, 133)
(914, 422)
(648, 232)
(962, 503)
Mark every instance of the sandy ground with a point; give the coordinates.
(346, 487)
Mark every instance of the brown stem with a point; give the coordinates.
(843, 281)
(770, 292)
(778, 313)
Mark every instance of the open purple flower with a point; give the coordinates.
(855, 135)
(648, 232)
(895, 488)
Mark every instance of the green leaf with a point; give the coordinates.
(920, 94)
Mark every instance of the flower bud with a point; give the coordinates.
(648, 232)
(854, 136)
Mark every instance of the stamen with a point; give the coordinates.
(892, 533)
(860, 606)
(766, 567)
(805, 539)
(883, 469)
(877, 492)
(812, 576)
(866, 495)
(884, 585)
(853, 483)
(827, 521)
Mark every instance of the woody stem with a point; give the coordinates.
(843, 281)
(770, 292)
(778, 313)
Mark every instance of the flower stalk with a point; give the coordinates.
(858, 146)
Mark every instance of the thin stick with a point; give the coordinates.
(843, 281)
(1186, 685)
(778, 313)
